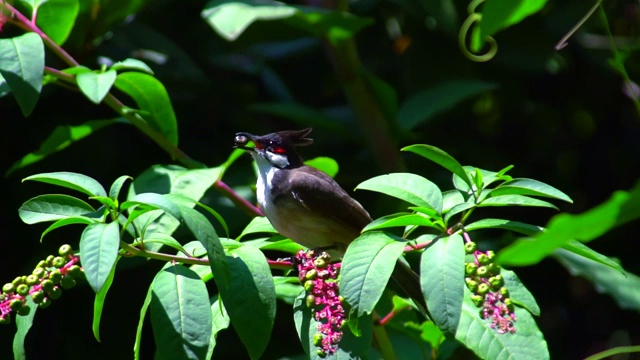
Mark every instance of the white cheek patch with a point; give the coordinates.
(277, 159)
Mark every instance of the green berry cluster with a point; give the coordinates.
(482, 276)
(44, 284)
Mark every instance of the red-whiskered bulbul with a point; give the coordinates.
(307, 205)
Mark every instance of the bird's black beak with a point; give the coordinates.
(241, 141)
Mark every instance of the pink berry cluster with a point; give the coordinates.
(489, 293)
(43, 285)
(318, 276)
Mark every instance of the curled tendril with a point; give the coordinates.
(471, 20)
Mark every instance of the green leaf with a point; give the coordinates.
(400, 219)
(458, 209)
(96, 86)
(258, 225)
(529, 187)
(442, 281)
(624, 288)
(276, 243)
(143, 313)
(23, 323)
(563, 228)
(350, 347)
(517, 226)
(220, 321)
(154, 200)
(57, 17)
(98, 302)
(499, 14)
(411, 188)
(70, 180)
(366, 268)
(519, 293)
(426, 104)
(583, 250)
(117, 185)
(441, 158)
(131, 64)
(231, 19)
(477, 335)
(180, 314)
(99, 245)
(67, 221)
(22, 66)
(335, 26)
(515, 200)
(52, 207)
(166, 240)
(324, 164)
(151, 97)
(250, 298)
(61, 137)
(287, 288)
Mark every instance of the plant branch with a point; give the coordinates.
(238, 200)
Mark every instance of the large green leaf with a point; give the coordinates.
(583, 250)
(425, 105)
(57, 17)
(257, 225)
(442, 281)
(529, 187)
(563, 228)
(411, 188)
(519, 293)
(476, 334)
(250, 298)
(95, 86)
(515, 200)
(623, 287)
(143, 314)
(517, 226)
(53, 207)
(180, 314)
(61, 137)
(23, 323)
(220, 321)
(499, 14)
(350, 347)
(67, 221)
(366, 269)
(74, 181)
(441, 158)
(22, 66)
(99, 246)
(152, 98)
(98, 302)
(400, 219)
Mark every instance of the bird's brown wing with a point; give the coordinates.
(322, 195)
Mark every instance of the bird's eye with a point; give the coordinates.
(241, 140)
(278, 150)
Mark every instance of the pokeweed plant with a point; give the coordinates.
(471, 298)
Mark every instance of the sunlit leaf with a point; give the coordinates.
(96, 86)
(70, 180)
(22, 66)
(99, 246)
(53, 207)
(411, 188)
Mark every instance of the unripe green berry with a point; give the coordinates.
(478, 300)
(496, 282)
(320, 263)
(37, 296)
(33, 280)
(67, 282)
(17, 281)
(311, 301)
(470, 247)
(16, 304)
(42, 264)
(24, 311)
(483, 289)
(46, 302)
(504, 292)
(494, 268)
(55, 276)
(470, 269)
(509, 303)
(321, 353)
(472, 285)
(483, 259)
(55, 293)
(6, 319)
(317, 339)
(341, 298)
(49, 261)
(47, 285)
(39, 272)
(23, 289)
(8, 288)
(491, 255)
(308, 285)
(75, 271)
(65, 250)
(59, 262)
(311, 274)
(483, 272)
